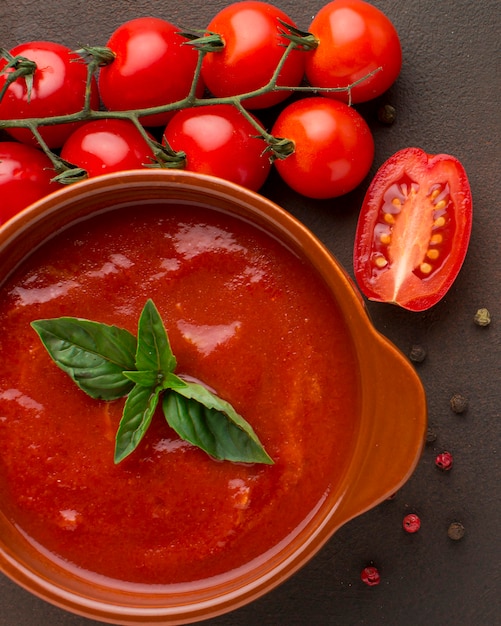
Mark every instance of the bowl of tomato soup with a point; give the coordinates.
(257, 308)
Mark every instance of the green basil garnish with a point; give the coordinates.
(109, 363)
(94, 355)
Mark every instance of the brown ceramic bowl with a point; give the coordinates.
(388, 444)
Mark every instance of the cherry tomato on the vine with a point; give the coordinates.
(58, 88)
(413, 230)
(109, 145)
(219, 140)
(152, 67)
(333, 147)
(253, 47)
(25, 177)
(355, 38)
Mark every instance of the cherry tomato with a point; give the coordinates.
(109, 145)
(152, 67)
(58, 89)
(25, 177)
(413, 230)
(253, 47)
(219, 140)
(355, 38)
(333, 147)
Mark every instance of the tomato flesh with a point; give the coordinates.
(413, 230)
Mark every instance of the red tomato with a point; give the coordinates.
(253, 47)
(219, 140)
(58, 89)
(413, 230)
(333, 147)
(103, 146)
(153, 67)
(25, 177)
(355, 39)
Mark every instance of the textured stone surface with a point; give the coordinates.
(447, 100)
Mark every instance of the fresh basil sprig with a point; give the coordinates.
(108, 362)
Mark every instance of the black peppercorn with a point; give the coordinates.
(456, 531)
(417, 354)
(459, 403)
(387, 114)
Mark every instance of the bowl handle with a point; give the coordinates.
(388, 451)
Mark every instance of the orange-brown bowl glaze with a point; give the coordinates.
(388, 433)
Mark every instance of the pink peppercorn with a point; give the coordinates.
(370, 576)
(411, 523)
(444, 461)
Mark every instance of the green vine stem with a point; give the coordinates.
(163, 155)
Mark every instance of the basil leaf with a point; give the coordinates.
(93, 354)
(146, 379)
(153, 348)
(212, 424)
(138, 412)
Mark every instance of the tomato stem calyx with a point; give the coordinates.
(23, 68)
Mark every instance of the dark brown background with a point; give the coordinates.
(447, 99)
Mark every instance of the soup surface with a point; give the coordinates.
(246, 317)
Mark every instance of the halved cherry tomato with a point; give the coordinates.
(253, 47)
(58, 88)
(355, 39)
(152, 67)
(25, 176)
(413, 230)
(109, 145)
(218, 140)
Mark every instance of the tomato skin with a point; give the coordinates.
(152, 67)
(334, 147)
(109, 145)
(58, 89)
(413, 230)
(355, 38)
(253, 48)
(219, 140)
(25, 177)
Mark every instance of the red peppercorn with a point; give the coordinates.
(370, 576)
(444, 461)
(411, 523)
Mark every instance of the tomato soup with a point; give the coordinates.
(246, 316)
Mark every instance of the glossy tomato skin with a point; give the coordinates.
(109, 145)
(218, 140)
(253, 47)
(413, 230)
(58, 89)
(355, 38)
(152, 67)
(333, 147)
(25, 177)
